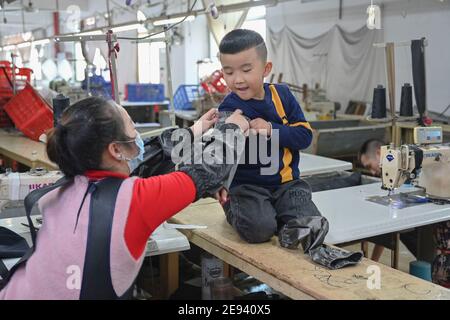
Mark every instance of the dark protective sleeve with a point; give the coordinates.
(334, 258)
(310, 232)
(210, 176)
(157, 154)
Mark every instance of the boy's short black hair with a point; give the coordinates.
(240, 40)
(369, 147)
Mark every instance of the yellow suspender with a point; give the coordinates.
(286, 172)
(280, 110)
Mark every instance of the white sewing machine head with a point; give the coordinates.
(426, 163)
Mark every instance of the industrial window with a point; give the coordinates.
(256, 20)
(35, 64)
(80, 63)
(148, 60)
(99, 62)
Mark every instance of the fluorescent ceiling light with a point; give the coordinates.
(126, 28)
(89, 33)
(172, 20)
(8, 48)
(24, 45)
(42, 41)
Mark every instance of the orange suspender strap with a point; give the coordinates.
(286, 172)
(280, 110)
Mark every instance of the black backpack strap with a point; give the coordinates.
(3, 270)
(29, 202)
(97, 282)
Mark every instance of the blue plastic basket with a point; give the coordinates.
(145, 92)
(98, 86)
(185, 94)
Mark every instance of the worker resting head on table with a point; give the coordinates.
(96, 139)
(369, 156)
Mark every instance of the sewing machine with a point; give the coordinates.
(426, 163)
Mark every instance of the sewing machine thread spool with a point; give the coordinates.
(379, 103)
(406, 107)
(60, 103)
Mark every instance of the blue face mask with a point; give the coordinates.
(136, 161)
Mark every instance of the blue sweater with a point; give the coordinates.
(293, 137)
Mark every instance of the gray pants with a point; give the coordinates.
(257, 213)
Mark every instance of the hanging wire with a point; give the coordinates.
(162, 31)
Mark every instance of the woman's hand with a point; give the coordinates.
(239, 120)
(205, 122)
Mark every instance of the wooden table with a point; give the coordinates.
(290, 271)
(16, 146)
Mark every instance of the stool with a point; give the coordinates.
(420, 269)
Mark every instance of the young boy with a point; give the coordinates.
(259, 205)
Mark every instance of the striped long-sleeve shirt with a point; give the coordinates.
(282, 110)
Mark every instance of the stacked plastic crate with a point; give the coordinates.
(26, 109)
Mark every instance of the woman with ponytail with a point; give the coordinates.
(94, 141)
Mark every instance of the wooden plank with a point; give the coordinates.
(16, 146)
(293, 273)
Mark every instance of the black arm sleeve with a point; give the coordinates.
(214, 167)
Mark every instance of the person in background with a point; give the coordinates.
(369, 156)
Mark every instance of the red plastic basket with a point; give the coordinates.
(22, 76)
(5, 120)
(30, 113)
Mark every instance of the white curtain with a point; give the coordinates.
(344, 63)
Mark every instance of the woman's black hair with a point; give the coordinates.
(86, 128)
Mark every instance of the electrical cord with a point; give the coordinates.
(165, 29)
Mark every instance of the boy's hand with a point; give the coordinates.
(222, 196)
(261, 126)
(238, 119)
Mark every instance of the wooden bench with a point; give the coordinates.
(290, 271)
